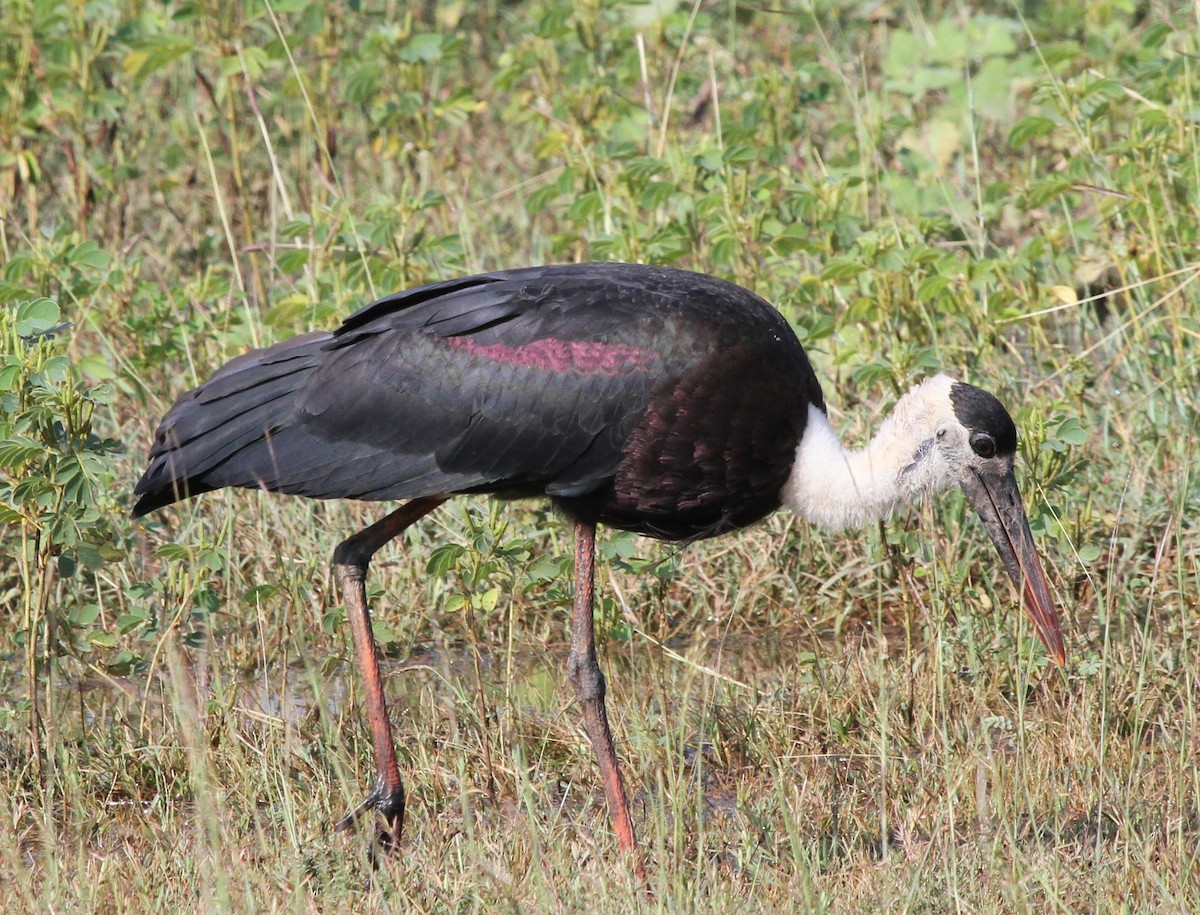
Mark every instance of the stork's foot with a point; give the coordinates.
(388, 803)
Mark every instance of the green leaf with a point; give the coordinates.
(1043, 190)
(586, 206)
(288, 311)
(17, 451)
(36, 317)
(842, 268)
(94, 556)
(88, 254)
(127, 622)
(1071, 431)
(259, 593)
(296, 228)
(333, 621)
(932, 286)
(657, 193)
(293, 260)
(796, 237)
(13, 292)
(710, 160)
(85, 615)
(173, 552)
(544, 568)
(423, 48)
(444, 558)
(871, 374)
(1029, 128)
(95, 367)
(207, 602)
(741, 154)
(1156, 34)
(155, 53)
(1106, 87)
(55, 370)
(256, 62)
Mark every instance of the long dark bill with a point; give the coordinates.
(995, 496)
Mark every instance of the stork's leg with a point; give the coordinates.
(350, 561)
(588, 681)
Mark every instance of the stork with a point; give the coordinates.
(669, 403)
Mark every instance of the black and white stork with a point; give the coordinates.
(654, 400)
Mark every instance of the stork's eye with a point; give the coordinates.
(983, 444)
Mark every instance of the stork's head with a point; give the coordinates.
(941, 432)
(974, 443)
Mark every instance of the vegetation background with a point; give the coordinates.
(849, 723)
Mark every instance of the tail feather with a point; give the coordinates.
(232, 429)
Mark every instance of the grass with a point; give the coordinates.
(859, 722)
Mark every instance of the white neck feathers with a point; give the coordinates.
(835, 488)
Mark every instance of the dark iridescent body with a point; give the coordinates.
(653, 400)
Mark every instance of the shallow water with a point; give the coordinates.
(534, 679)
(531, 678)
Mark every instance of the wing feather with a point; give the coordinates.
(522, 382)
(657, 400)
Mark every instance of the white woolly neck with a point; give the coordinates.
(836, 488)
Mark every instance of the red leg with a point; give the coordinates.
(588, 681)
(350, 561)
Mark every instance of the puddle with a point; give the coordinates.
(531, 678)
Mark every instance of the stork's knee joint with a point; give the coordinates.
(350, 557)
(586, 677)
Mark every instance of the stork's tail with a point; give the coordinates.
(233, 429)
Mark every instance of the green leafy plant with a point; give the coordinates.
(54, 470)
